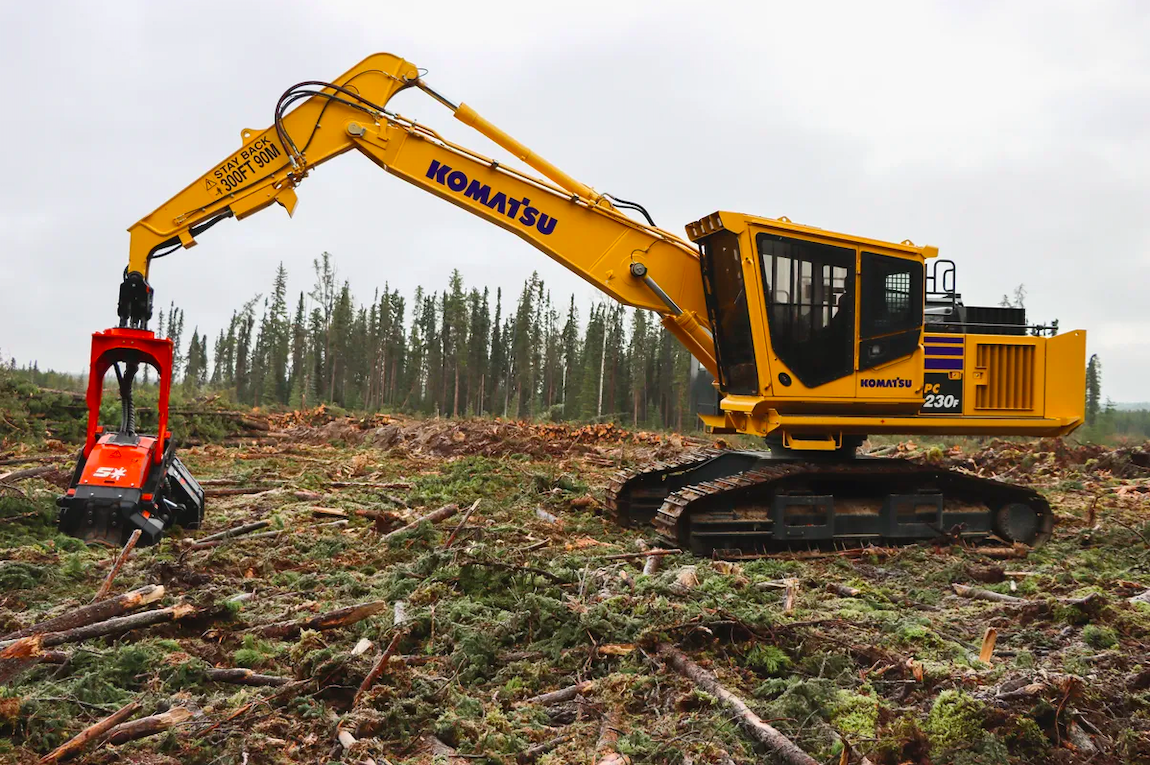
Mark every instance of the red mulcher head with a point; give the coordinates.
(123, 480)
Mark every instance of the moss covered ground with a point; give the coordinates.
(521, 604)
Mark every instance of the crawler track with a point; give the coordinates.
(741, 503)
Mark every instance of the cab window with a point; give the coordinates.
(890, 308)
(809, 288)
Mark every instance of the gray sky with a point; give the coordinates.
(1015, 137)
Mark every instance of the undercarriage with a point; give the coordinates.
(745, 503)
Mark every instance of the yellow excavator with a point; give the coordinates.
(815, 339)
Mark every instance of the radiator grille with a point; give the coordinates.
(1008, 377)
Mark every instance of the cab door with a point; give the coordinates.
(890, 308)
(810, 298)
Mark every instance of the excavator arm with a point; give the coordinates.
(635, 263)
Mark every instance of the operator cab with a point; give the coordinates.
(797, 309)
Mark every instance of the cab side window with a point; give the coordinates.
(890, 308)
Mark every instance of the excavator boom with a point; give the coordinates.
(637, 264)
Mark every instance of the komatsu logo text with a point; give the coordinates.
(896, 382)
(529, 216)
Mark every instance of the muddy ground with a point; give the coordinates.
(524, 597)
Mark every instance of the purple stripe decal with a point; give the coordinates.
(943, 350)
(944, 364)
(944, 338)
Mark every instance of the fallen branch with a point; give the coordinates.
(362, 485)
(377, 669)
(466, 515)
(106, 587)
(247, 528)
(521, 569)
(92, 733)
(561, 695)
(333, 619)
(94, 612)
(605, 753)
(975, 593)
(235, 491)
(17, 475)
(437, 515)
(116, 626)
(241, 676)
(781, 746)
(646, 554)
(148, 726)
(37, 458)
(533, 753)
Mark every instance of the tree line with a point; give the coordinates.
(453, 351)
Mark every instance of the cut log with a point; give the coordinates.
(106, 587)
(438, 515)
(333, 619)
(989, 638)
(247, 528)
(792, 596)
(466, 515)
(328, 512)
(561, 695)
(377, 669)
(781, 746)
(90, 734)
(975, 593)
(148, 726)
(95, 612)
(20, 656)
(844, 591)
(241, 676)
(116, 626)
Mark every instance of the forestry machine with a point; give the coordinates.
(815, 339)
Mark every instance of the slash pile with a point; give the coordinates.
(394, 590)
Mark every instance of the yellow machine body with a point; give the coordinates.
(891, 375)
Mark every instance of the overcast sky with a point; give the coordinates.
(1015, 137)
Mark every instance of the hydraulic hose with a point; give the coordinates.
(127, 406)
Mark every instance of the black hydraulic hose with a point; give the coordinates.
(127, 406)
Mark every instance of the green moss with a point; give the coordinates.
(855, 715)
(955, 719)
(1099, 637)
(956, 733)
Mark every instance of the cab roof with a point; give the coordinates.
(738, 222)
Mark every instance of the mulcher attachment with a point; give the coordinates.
(735, 503)
(125, 481)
